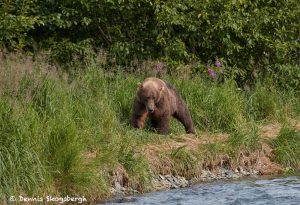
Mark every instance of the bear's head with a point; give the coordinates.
(150, 93)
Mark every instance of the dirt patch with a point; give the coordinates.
(295, 124)
(269, 131)
(89, 155)
(188, 141)
(272, 130)
(260, 160)
(160, 162)
(265, 164)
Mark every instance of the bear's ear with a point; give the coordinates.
(140, 85)
(162, 88)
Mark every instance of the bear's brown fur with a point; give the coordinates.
(159, 100)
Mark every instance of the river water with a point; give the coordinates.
(251, 191)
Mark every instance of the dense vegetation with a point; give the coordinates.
(64, 134)
(254, 38)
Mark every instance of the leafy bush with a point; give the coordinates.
(255, 38)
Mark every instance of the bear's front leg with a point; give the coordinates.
(163, 124)
(139, 115)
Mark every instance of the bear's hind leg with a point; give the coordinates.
(184, 116)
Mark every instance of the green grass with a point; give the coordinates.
(184, 161)
(50, 120)
(287, 148)
(244, 139)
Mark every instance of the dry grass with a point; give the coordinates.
(15, 67)
(261, 159)
(269, 131)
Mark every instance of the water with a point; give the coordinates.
(262, 191)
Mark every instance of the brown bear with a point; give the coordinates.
(159, 100)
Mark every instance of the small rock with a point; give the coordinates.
(222, 172)
(118, 187)
(235, 176)
(245, 173)
(175, 180)
(174, 186)
(212, 175)
(160, 184)
(194, 180)
(229, 173)
(219, 177)
(182, 182)
(205, 174)
(123, 200)
(113, 191)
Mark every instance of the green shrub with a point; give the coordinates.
(254, 38)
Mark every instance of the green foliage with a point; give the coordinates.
(287, 148)
(254, 38)
(251, 35)
(67, 53)
(63, 134)
(287, 76)
(16, 20)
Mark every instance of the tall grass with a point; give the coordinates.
(214, 107)
(51, 123)
(266, 102)
(287, 148)
(184, 161)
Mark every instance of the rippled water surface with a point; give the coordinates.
(262, 191)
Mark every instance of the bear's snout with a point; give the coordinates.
(150, 110)
(150, 107)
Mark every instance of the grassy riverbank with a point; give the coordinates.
(65, 133)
